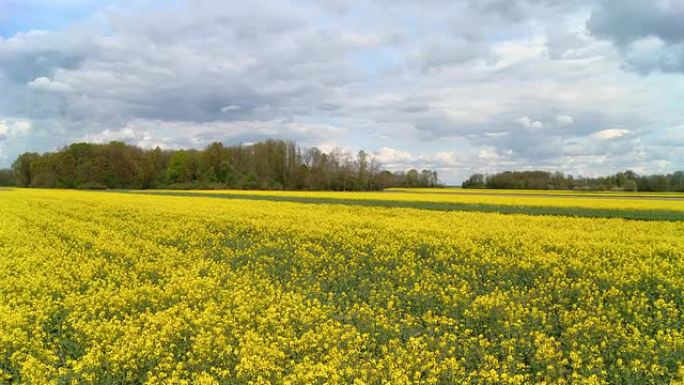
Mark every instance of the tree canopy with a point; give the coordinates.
(543, 180)
(271, 164)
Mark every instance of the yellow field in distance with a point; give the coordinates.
(615, 202)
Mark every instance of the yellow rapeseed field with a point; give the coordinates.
(575, 193)
(113, 288)
(544, 199)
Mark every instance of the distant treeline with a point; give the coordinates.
(542, 180)
(272, 164)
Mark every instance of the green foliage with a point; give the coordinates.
(272, 165)
(180, 168)
(22, 168)
(630, 185)
(542, 180)
(475, 181)
(7, 178)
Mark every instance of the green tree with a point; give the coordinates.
(412, 178)
(6, 177)
(22, 168)
(272, 164)
(179, 170)
(629, 185)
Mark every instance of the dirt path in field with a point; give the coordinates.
(541, 195)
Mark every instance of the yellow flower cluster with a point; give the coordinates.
(107, 288)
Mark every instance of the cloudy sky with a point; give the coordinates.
(586, 87)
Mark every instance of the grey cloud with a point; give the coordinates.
(151, 133)
(35, 54)
(626, 21)
(520, 10)
(146, 67)
(650, 33)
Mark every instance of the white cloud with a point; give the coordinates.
(611, 133)
(125, 134)
(401, 160)
(564, 120)
(22, 127)
(526, 122)
(14, 128)
(153, 133)
(231, 108)
(392, 156)
(447, 159)
(490, 153)
(43, 84)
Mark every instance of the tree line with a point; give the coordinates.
(542, 180)
(271, 164)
